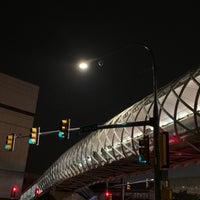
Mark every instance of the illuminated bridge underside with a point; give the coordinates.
(111, 153)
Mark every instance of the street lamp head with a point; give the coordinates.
(83, 66)
(100, 63)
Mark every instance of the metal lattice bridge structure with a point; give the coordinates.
(113, 153)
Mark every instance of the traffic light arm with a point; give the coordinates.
(49, 132)
(95, 127)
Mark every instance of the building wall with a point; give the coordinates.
(18, 101)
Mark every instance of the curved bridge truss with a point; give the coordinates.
(112, 152)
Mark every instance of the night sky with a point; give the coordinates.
(42, 44)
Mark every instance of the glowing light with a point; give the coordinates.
(61, 135)
(7, 147)
(31, 141)
(107, 193)
(14, 188)
(37, 191)
(140, 159)
(83, 66)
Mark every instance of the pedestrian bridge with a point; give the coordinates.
(113, 153)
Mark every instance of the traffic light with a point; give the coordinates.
(144, 150)
(64, 128)
(164, 149)
(10, 142)
(34, 136)
(147, 183)
(166, 194)
(128, 186)
(37, 192)
(13, 191)
(108, 195)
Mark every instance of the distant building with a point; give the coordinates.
(18, 101)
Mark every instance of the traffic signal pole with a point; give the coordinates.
(161, 183)
(157, 171)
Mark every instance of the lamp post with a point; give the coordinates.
(157, 171)
(154, 122)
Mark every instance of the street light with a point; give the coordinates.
(158, 172)
(83, 66)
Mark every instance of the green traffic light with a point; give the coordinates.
(61, 134)
(31, 141)
(7, 147)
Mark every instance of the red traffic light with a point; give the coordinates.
(107, 194)
(14, 190)
(37, 192)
